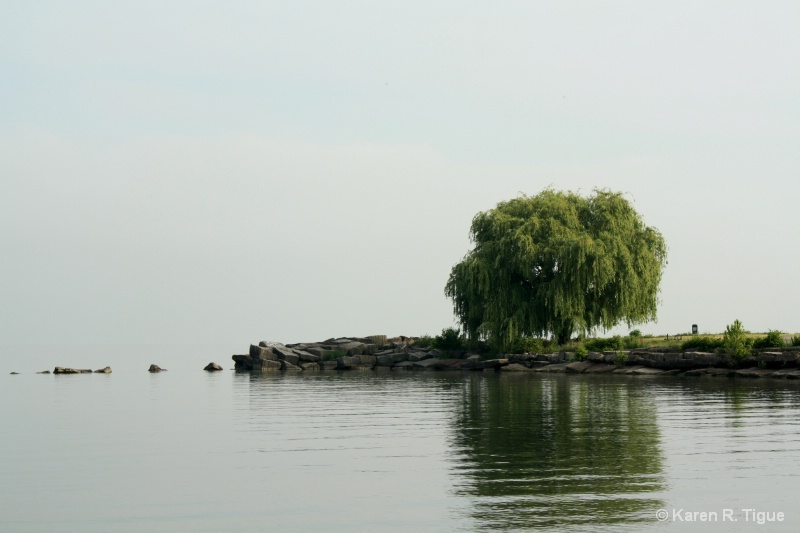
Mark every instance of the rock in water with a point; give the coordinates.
(106, 370)
(156, 368)
(213, 367)
(62, 370)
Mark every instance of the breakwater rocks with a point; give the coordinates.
(400, 353)
(62, 370)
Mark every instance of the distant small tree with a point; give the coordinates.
(735, 342)
(556, 263)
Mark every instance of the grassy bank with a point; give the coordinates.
(451, 340)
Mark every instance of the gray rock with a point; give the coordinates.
(384, 360)
(368, 360)
(494, 363)
(319, 351)
(352, 348)
(418, 355)
(262, 352)
(266, 365)
(600, 368)
(515, 367)
(289, 367)
(404, 365)
(309, 367)
(328, 365)
(243, 362)
(560, 367)
(290, 358)
(399, 357)
(578, 367)
(306, 356)
(106, 370)
(346, 362)
(596, 357)
(62, 370)
(156, 368)
(14, 373)
(213, 367)
(754, 372)
(710, 372)
(425, 364)
(44, 372)
(378, 340)
(646, 371)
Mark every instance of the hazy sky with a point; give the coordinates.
(238, 171)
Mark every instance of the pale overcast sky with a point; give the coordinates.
(237, 171)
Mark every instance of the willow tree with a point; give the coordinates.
(557, 263)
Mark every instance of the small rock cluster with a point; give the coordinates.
(62, 370)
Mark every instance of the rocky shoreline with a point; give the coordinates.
(400, 353)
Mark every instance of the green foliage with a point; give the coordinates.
(449, 340)
(795, 340)
(620, 358)
(635, 333)
(426, 341)
(527, 345)
(604, 345)
(701, 344)
(335, 354)
(581, 352)
(556, 263)
(736, 343)
(632, 341)
(773, 339)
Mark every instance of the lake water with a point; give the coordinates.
(188, 450)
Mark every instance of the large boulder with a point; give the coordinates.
(306, 356)
(578, 367)
(379, 340)
(267, 365)
(352, 347)
(600, 368)
(384, 360)
(243, 362)
(262, 352)
(287, 366)
(515, 367)
(399, 357)
(289, 357)
(418, 355)
(368, 360)
(427, 364)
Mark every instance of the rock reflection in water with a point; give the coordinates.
(554, 451)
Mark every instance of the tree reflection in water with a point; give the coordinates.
(557, 451)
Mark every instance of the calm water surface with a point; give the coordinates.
(187, 450)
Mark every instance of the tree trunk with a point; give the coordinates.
(563, 332)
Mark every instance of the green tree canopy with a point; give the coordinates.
(557, 263)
